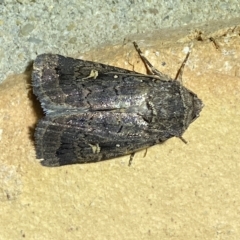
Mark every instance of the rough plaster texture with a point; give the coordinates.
(32, 27)
(177, 191)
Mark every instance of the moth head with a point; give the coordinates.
(197, 107)
(193, 106)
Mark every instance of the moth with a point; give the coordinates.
(96, 112)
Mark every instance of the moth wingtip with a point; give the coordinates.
(49, 163)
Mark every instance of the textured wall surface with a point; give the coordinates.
(29, 28)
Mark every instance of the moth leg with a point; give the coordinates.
(180, 71)
(145, 154)
(131, 159)
(214, 42)
(148, 65)
(132, 155)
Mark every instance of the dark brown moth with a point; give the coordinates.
(96, 112)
